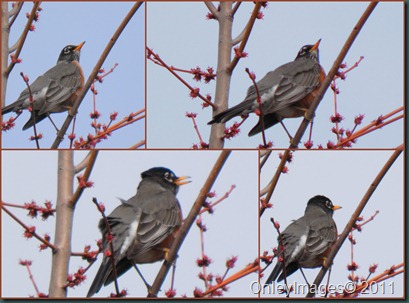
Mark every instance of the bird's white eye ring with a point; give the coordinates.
(328, 204)
(168, 177)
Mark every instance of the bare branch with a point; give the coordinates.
(138, 145)
(35, 235)
(246, 35)
(172, 71)
(23, 37)
(80, 189)
(14, 12)
(83, 164)
(212, 8)
(236, 7)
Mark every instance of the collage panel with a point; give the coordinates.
(305, 212)
(177, 81)
(288, 43)
(227, 245)
(116, 101)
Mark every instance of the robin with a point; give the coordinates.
(143, 227)
(308, 240)
(55, 91)
(286, 92)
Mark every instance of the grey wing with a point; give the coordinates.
(156, 223)
(288, 84)
(294, 87)
(120, 221)
(294, 239)
(266, 83)
(66, 78)
(323, 234)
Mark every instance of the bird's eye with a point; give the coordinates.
(169, 177)
(66, 50)
(328, 204)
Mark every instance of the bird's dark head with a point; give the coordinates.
(71, 53)
(323, 203)
(309, 51)
(165, 177)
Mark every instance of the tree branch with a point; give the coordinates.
(80, 189)
(212, 8)
(14, 12)
(246, 35)
(23, 37)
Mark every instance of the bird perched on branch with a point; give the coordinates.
(307, 241)
(143, 228)
(55, 91)
(286, 92)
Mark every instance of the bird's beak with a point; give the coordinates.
(78, 47)
(315, 46)
(335, 207)
(180, 181)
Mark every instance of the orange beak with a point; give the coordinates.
(180, 181)
(315, 46)
(335, 207)
(78, 47)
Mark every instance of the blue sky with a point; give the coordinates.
(121, 91)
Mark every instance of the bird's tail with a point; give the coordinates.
(13, 107)
(240, 109)
(274, 274)
(268, 120)
(105, 274)
(33, 121)
(100, 278)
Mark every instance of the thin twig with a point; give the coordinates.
(260, 108)
(22, 38)
(150, 53)
(236, 7)
(14, 12)
(111, 246)
(249, 27)
(80, 189)
(212, 9)
(35, 235)
(138, 145)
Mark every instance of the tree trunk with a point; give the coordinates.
(223, 72)
(63, 225)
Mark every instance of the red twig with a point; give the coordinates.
(27, 265)
(28, 229)
(260, 108)
(193, 116)
(111, 247)
(36, 137)
(156, 57)
(93, 140)
(225, 196)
